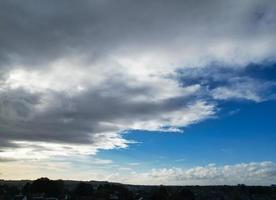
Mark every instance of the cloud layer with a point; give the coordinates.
(253, 173)
(263, 173)
(75, 77)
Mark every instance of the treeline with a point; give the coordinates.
(46, 189)
(8, 190)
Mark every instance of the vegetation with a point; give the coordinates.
(46, 189)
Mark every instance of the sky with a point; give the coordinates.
(178, 92)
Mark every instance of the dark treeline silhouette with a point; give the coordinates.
(46, 189)
(45, 186)
(162, 193)
(83, 189)
(8, 190)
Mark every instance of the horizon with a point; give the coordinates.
(147, 185)
(166, 93)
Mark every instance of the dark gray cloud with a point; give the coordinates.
(76, 119)
(35, 32)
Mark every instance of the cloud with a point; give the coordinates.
(247, 173)
(244, 88)
(195, 31)
(75, 77)
(225, 83)
(254, 173)
(6, 160)
(90, 120)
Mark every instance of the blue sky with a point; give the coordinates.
(242, 131)
(160, 92)
(244, 136)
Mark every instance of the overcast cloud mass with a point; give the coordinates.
(77, 76)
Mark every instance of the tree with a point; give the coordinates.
(184, 194)
(106, 190)
(160, 194)
(84, 189)
(47, 187)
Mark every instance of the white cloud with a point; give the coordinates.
(248, 173)
(254, 173)
(243, 88)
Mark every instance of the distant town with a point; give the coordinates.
(46, 189)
